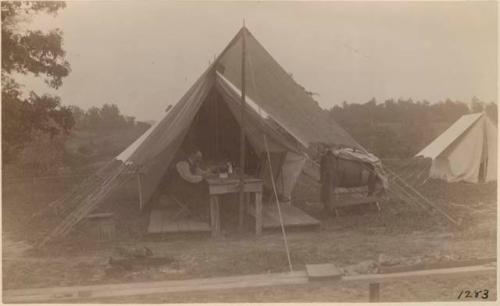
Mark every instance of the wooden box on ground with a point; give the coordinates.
(102, 226)
(323, 272)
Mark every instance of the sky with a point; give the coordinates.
(143, 55)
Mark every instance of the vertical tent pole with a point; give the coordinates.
(484, 154)
(139, 185)
(242, 133)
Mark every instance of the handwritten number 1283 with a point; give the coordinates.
(473, 294)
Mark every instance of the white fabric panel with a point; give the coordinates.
(465, 157)
(443, 141)
(350, 154)
(292, 167)
(492, 141)
(254, 106)
(257, 124)
(460, 161)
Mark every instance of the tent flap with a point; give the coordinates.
(467, 151)
(277, 107)
(443, 141)
(153, 153)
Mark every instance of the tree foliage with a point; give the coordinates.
(37, 53)
(106, 119)
(400, 128)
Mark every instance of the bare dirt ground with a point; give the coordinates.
(355, 241)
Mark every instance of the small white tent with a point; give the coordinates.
(466, 151)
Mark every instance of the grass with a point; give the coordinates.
(356, 239)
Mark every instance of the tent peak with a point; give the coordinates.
(243, 29)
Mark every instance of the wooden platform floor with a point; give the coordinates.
(292, 216)
(161, 221)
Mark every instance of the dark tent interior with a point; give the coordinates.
(216, 133)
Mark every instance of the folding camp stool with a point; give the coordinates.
(183, 208)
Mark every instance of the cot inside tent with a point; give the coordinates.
(466, 151)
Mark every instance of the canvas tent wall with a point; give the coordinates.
(279, 114)
(466, 151)
(276, 107)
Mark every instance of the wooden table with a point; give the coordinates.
(219, 186)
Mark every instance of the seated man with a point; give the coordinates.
(189, 185)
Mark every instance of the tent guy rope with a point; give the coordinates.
(282, 225)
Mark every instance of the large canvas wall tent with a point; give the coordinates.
(466, 151)
(279, 118)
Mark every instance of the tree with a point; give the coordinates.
(492, 111)
(476, 105)
(130, 121)
(93, 118)
(111, 117)
(30, 52)
(78, 115)
(398, 128)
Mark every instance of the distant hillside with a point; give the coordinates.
(85, 147)
(98, 135)
(400, 128)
